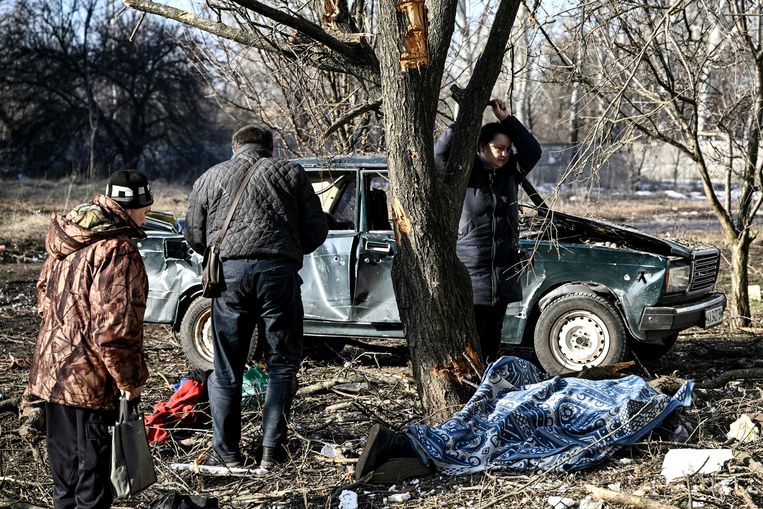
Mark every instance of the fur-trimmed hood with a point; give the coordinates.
(87, 223)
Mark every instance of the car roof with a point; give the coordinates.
(343, 162)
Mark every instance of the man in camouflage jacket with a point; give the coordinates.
(91, 297)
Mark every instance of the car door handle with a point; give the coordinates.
(379, 247)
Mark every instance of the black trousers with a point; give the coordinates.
(489, 320)
(79, 454)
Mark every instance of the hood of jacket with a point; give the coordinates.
(88, 223)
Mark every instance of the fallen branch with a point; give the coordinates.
(17, 481)
(325, 459)
(622, 498)
(14, 504)
(338, 406)
(320, 386)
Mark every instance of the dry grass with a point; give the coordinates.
(25, 206)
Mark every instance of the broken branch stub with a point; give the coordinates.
(415, 41)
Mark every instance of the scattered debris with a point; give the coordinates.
(743, 430)
(348, 500)
(589, 503)
(398, 498)
(681, 462)
(556, 502)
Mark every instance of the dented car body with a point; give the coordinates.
(593, 292)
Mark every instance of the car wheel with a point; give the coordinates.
(647, 352)
(196, 334)
(576, 331)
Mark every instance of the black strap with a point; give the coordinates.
(234, 203)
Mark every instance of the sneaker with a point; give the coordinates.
(390, 456)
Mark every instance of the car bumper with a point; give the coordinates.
(705, 313)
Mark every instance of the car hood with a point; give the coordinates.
(589, 230)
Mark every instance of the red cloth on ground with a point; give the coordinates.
(179, 408)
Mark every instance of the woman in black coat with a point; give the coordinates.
(489, 226)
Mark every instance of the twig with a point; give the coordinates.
(324, 459)
(622, 498)
(22, 482)
(742, 493)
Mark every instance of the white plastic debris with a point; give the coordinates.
(560, 502)
(348, 499)
(331, 451)
(615, 486)
(590, 503)
(681, 462)
(625, 461)
(398, 498)
(724, 487)
(743, 430)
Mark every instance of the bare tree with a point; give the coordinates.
(400, 56)
(689, 74)
(86, 91)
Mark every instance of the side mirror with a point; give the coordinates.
(176, 249)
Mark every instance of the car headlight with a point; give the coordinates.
(678, 279)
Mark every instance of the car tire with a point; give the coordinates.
(649, 353)
(580, 330)
(196, 334)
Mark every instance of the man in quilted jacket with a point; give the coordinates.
(91, 297)
(277, 221)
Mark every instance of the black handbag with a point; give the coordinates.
(212, 277)
(132, 467)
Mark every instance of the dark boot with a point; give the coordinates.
(390, 456)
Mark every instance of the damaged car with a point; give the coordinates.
(594, 292)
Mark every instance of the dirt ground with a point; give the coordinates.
(338, 418)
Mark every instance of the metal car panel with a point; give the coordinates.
(168, 279)
(325, 273)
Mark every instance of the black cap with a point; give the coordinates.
(130, 189)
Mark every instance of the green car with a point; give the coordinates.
(594, 292)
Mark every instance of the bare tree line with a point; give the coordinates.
(87, 90)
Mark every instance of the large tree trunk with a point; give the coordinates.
(432, 287)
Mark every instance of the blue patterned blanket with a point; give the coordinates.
(520, 421)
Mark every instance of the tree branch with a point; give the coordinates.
(349, 115)
(477, 92)
(324, 60)
(303, 26)
(252, 39)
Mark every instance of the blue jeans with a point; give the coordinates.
(256, 289)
